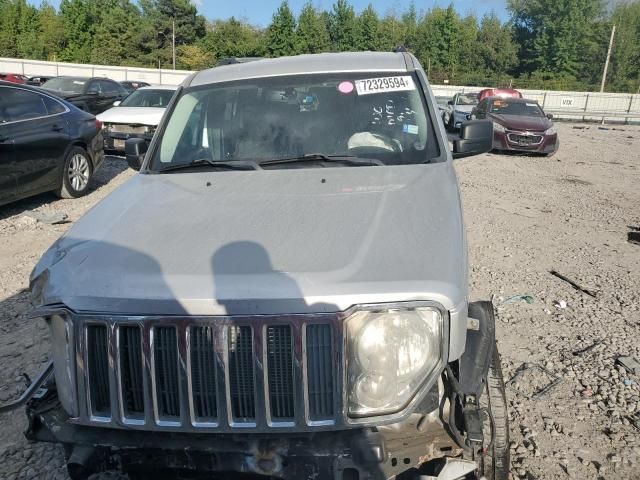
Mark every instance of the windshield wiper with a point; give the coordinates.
(319, 157)
(223, 164)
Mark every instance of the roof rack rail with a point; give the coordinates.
(236, 60)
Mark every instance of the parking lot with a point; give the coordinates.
(526, 216)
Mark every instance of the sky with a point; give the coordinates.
(259, 12)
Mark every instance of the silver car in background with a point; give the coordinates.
(458, 109)
(137, 116)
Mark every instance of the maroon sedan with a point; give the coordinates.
(519, 124)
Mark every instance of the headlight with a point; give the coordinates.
(64, 362)
(107, 127)
(497, 127)
(390, 353)
(550, 131)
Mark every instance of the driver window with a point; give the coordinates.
(94, 87)
(107, 87)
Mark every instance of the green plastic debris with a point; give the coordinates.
(519, 298)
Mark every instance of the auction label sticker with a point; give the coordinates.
(345, 87)
(368, 86)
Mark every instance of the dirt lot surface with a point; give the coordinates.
(526, 216)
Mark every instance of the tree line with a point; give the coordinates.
(554, 44)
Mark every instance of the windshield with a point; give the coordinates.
(66, 84)
(507, 107)
(148, 98)
(358, 115)
(468, 99)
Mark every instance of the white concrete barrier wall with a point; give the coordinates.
(149, 75)
(569, 105)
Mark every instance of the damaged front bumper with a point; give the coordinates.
(368, 453)
(114, 141)
(440, 439)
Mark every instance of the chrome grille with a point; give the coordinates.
(218, 374)
(525, 139)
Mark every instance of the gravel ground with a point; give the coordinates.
(526, 216)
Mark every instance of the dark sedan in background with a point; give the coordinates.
(519, 124)
(94, 95)
(46, 144)
(39, 80)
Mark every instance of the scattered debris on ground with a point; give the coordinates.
(53, 218)
(573, 284)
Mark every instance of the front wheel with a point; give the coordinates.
(494, 461)
(76, 174)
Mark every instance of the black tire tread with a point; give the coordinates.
(496, 461)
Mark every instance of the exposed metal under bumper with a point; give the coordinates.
(374, 455)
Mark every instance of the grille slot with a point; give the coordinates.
(280, 372)
(166, 370)
(203, 374)
(320, 372)
(241, 373)
(130, 344)
(98, 360)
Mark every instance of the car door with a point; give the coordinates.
(7, 154)
(40, 136)
(110, 93)
(93, 95)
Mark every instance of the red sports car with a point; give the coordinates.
(13, 78)
(519, 124)
(498, 92)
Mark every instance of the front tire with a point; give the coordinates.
(495, 461)
(76, 174)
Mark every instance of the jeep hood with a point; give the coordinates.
(260, 242)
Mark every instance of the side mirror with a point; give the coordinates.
(116, 103)
(475, 138)
(92, 91)
(135, 150)
(450, 102)
(550, 116)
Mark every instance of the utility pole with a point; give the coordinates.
(173, 24)
(173, 40)
(606, 63)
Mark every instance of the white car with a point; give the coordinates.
(137, 116)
